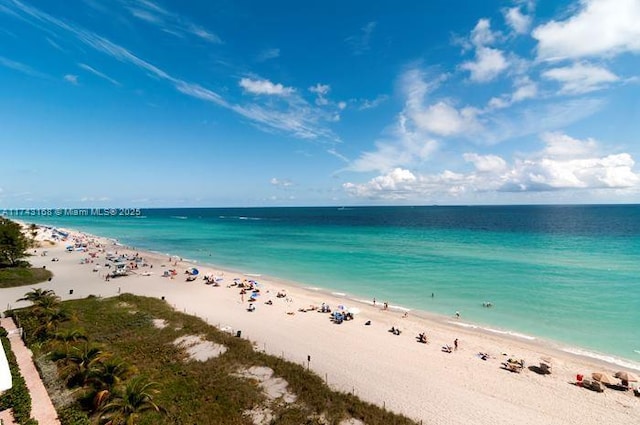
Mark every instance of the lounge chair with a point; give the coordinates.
(512, 365)
(592, 385)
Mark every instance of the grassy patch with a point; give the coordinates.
(208, 392)
(22, 276)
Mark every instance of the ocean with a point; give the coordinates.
(568, 275)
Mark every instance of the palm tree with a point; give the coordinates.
(65, 339)
(104, 378)
(49, 318)
(130, 402)
(36, 295)
(70, 335)
(78, 363)
(111, 372)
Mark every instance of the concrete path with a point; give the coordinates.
(41, 407)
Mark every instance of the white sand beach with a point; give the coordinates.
(395, 371)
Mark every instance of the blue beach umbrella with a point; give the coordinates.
(194, 272)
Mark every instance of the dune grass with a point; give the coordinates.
(22, 276)
(208, 392)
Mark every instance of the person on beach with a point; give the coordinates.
(386, 306)
(374, 302)
(455, 345)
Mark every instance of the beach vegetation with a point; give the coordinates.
(17, 397)
(13, 243)
(22, 276)
(128, 370)
(47, 314)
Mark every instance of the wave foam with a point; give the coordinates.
(492, 330)
(602, 357)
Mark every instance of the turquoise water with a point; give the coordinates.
(570, 274)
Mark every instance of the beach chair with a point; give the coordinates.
(592, 385)
(512, 365)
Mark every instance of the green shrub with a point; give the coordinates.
(72, 415)
(18, 397)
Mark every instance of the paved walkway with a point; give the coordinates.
(41, 407)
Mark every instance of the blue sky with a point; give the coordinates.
(251, 103)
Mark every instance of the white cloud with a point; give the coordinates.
(443, 119)
(393, 185)
(73, 79)
(581, 78)
(518, 22)
(265, 87)
(482, 35)
(562, 146)
(440, 118)
(564, 163)
(408, 145)
(486, 163)
(488, 64)
(525, 89)
(281, 183)
(321, 91)
(599, 28)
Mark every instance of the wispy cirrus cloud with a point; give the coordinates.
(360, 43)
(581, 77)
(99, 74)
(295, 116)
(372, 103)
(23, 68)
(268, 54)
(169, 22)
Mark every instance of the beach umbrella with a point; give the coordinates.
(194, 272)
(603, 377)
(627, 376)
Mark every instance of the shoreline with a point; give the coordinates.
(604, 359)
(604, 351)
(392, 371)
